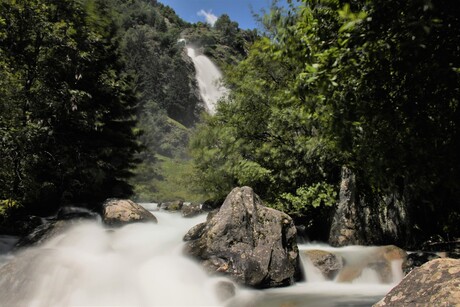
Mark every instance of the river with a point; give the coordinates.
(143, 265)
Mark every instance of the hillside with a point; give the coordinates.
(169, 103)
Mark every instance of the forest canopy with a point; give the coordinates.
(370, 85)
(67, 108)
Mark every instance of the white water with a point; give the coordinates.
(316, 291)
(143, 265)
(209, 79)
(89, 265)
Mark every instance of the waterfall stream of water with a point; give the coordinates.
(208, 77)
(143, 265)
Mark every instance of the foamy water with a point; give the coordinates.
(89, 265)
(208, 77)
(143, 265)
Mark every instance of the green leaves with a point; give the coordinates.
(372, 85)
(267, 134)
(351, 19)
(316, 195)
(66, 108)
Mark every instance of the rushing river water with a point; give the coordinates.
(143, 265)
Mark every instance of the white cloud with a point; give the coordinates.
(209, 16)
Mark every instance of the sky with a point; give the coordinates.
(209, 10)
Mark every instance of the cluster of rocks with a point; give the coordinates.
(187, 209)
(115, 213)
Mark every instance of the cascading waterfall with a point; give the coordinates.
(143, 265)
(208, 77)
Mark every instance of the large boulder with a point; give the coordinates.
(436, 283)
(191, 209)
(254, 245)
(346, 228)
(119, 212)
(368, 220)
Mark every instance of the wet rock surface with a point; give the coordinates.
(436, 283)
(119, 212)
(191, 210)
(252, 244)
(44, 232)
(172, 205)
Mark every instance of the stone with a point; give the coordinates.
(435, 283)
(70, 212)
(44, 232)
(119, 212)
(210, 205)
(346, 226)
(250, 243)
(380, 259)
(328, 263)
(382, 262)
(375, 220)
(172, 205)
(191, 210)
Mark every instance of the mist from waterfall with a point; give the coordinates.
(209, 78)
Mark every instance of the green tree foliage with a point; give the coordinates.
(225, 43)
(370, 84)
(66, 109)
(263, 135)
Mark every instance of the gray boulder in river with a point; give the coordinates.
(254, 245)
(436, 283)
(119, 212)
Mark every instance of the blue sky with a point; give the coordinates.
(209, 10)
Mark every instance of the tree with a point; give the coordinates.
(69, 108)
(371, 85)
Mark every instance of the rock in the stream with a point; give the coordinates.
(44, 232)
(328, 263)
(191, 210)
(436, 283)
(252, 244)
(172, 205)
(119, 212)
(71, 213)
(51, 227)
(381, 260)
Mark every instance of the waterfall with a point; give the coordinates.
(208, 77)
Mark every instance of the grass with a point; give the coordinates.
(175, 182)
